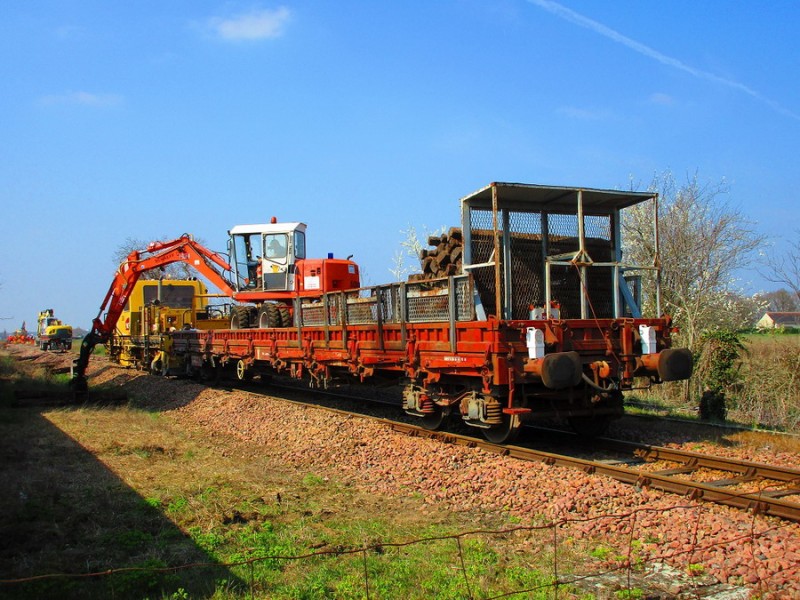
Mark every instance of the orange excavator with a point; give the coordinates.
(158, 254)
(268, 269)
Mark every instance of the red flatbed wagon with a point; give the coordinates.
(544, 321)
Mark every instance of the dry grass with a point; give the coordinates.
(769, 388)
(88, 489)
(766, 395)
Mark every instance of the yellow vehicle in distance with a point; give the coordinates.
(51, 333)
(156, 308)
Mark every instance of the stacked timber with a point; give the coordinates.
(444, 258)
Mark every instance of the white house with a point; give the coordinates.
(779, 320)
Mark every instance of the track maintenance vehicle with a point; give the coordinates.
(545, 319)
(268, 270)
(51, 333)
(21, 336)
(157, 307)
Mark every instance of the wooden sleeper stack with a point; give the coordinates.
(444, 259)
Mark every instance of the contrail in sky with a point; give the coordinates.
(570, 15)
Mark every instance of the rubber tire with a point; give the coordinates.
(268, 316)
(240, 317)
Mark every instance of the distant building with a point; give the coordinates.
(779, 320)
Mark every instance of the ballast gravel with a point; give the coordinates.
(759, 556)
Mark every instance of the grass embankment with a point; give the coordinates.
(764, 392)
(94, 489)
(768, 390)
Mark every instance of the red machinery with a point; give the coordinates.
(544, 321)
(269, 270)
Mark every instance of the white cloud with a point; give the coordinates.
(662, 99)
(254, 25)
(83, 99)
(578, 19)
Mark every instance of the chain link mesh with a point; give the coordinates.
(425, 301)
(527, 263)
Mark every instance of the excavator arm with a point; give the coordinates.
(158, 254)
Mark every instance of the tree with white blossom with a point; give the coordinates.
(704, 240)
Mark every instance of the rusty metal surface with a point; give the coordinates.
(703, 461)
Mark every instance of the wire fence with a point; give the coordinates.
(625, 567)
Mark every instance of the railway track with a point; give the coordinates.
(768, 487)
(759, 488)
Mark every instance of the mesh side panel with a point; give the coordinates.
(527, 262)
(464, 302)
(597, 226)
(391, 303)
(335, 309)
(361, 310)
(527, 266)
(481, 247)
(428, 302)
(568, 290)
(312, 314)
(562, 226)
(431, 308)
(565, 283)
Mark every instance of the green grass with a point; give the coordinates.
(93, 489)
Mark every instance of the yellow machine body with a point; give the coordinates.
(157, 307)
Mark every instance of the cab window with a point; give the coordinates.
(299, 244)
(275, 245)
(246, 252)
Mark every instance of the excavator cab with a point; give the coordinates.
(264, 256)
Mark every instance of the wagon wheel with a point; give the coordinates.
(433, 421)
(504, 433)
(242, 372)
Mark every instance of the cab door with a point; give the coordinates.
(276, 262)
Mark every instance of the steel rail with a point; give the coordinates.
(692, 461)
(704, 461)
(759, 503)
(764, 502)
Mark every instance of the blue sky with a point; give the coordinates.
(150, 119)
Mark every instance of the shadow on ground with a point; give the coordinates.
(64, 512)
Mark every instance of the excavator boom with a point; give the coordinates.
(158, 254)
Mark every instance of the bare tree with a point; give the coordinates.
(179, 270)
(410, 247)
(784, 268)
(703, 241)
(782, 300)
